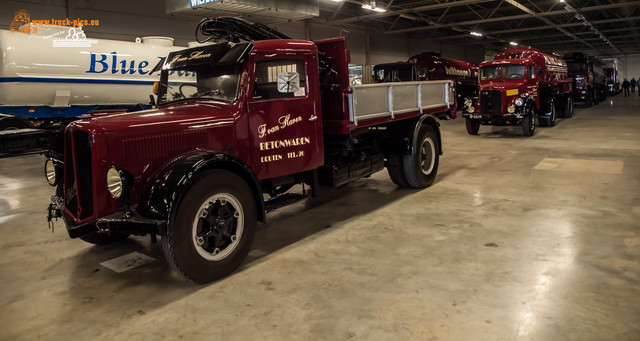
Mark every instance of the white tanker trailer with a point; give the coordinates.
(57, 74)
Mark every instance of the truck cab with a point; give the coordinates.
(517, 87)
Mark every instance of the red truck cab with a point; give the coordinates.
(518, 86)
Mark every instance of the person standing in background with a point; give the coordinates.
(625, 87)
(633, 85)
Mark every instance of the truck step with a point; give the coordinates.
(283, 200)
(338, 175)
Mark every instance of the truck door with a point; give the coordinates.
(284, 122)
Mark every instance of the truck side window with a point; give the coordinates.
(281, 78)
(532, 71)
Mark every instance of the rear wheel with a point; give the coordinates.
(567, 111)
(213, 228)
(473, 126)
(529, 123)
(396, 173)
(420, 168)
(596, 97)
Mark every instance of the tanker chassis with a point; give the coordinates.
(519, 85)
(214, 156)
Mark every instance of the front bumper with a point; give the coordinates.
(120, 221)
(497, 120)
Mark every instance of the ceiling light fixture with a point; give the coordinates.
(377, 9)
(474, 33)
(513, 43)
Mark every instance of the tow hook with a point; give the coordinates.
(54, 211)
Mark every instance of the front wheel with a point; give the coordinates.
(420, 168)
(529, 124)
(473, 126)
(213, 228)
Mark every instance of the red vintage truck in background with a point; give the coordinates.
(431, 66)
(589, 80)
(261, 121)
(520, 84)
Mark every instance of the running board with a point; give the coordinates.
(283, 200)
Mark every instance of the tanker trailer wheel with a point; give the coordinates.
(567, 111)
(473, 126)
(211, 232)
(103, 238)
(420, 168)
(596, 97)
(551, 120)
(529, 123)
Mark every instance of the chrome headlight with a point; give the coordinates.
(468, 102)
(114, 182)
(519, 102)
(511, 109)
(471, 109)
(50, 172)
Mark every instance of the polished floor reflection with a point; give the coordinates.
(519, 239)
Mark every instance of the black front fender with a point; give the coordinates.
(171, 182)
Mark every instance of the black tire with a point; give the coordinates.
(529, 123)
(567, 111)
(13, 124)
(103, 238)
(396, 173)
(202, 243)
(473, 126)
(551, 121)
(596, 97)
(421, 167)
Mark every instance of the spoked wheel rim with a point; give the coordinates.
(427, 156)
(218, 226)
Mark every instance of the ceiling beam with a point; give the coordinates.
(407, 10)
(517, 17)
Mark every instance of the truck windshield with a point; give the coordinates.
(219, 84)
(395, 73)
(576, 68)
(503, 71)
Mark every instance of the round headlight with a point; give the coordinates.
(50, 172)
(471, 109)
(114, 182)
(511, 109)
(519, 102)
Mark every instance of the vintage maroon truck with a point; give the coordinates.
(258, 123)
(431, 66)
(520, 84)
(589, 78)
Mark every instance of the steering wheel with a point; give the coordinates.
(514, 75)
(183, 84)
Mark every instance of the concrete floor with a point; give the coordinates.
(519, 239)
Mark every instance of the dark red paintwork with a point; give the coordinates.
(550, 76)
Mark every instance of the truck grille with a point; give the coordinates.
(78, 180)
(491, 102)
